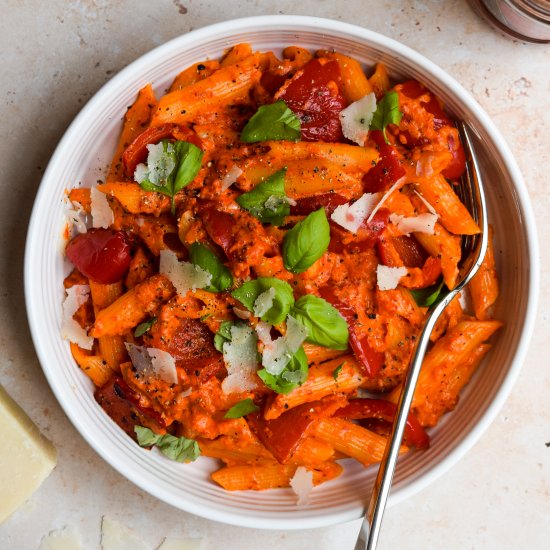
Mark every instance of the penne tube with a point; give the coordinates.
(228, 84)
(93, 366)
(257, 478)
(236, 54)
(136, 119)
(324, 379)
(136, 200)
(133, 307)
(194, 73)
(380, 80)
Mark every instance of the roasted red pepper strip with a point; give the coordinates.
(307, 205)
(137, 152)
(361, 409)
(370, 360)
(316, 101)
(219, 226)
(282, 435)
(122, 404)
(401, 250)
(387, 170)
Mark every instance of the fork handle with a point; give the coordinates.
(372, 522)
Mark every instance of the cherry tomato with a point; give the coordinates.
(370, 360)
(102, 255)
(316, 102)
(387, 170)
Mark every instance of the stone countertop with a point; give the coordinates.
(54, 56)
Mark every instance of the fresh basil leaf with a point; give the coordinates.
(293, 375)
(387, 112)
(268, 201)
(306, 242)
(430, 296)
(179, 449)
(170, 167)
(223, 335)
(325, 326)
(144, 327)
(283, 299)
(337, 370)
(242, 408)
(275, 121)
(203, 257)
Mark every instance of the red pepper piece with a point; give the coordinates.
(402, 250)
(122, 404)
(137, 152)
(387, 170)
(307, 205)
(317, 103)
(370, 360)
(282, 435)
(361, 409)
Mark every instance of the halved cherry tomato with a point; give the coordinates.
(282, 435)
(307, 205)
(137, 152)
(219, 226)
(387, 170)
(102, 255)
(401, 250)
(316, 102)
(370, 360)
(361, 409)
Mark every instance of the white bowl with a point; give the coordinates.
(82, 156)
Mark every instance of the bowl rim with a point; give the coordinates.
(299, 23)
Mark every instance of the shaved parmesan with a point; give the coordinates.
(387, 278)
(398, 184)
(102, 215)
(426, 203)
(70, 329)
(76, 216)
(356, 118)
(242, 313)
(277, 353)
(351, 216)
(264, 302)
(231, 177)
(423, 223)
(153, 362)
(160, 164)
(302, 484)
(183, 275)
(115, 536)
(241, 360)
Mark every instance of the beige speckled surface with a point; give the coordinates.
(55, 55)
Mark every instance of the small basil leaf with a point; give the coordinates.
(306, 242)
(337, 370)
(179, 449)
(283, 299)
(268, 201)
(223, 335)
(144, 327)
(387, 112)
(293, 375)
(326, 327)
(189, 159)
(242, 408)
(203, 257)
(275, 121)
(430, 296)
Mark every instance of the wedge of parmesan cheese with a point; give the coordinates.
(387, 278)
(153, 362)
(423, 223)
(302, 484)
(264, 302)
(183, 275)
(241, 360)
(70, 329)
(27, 458)
(356, 118)
(102, 215)
(351, 215)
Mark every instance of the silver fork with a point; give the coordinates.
(474, 248)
